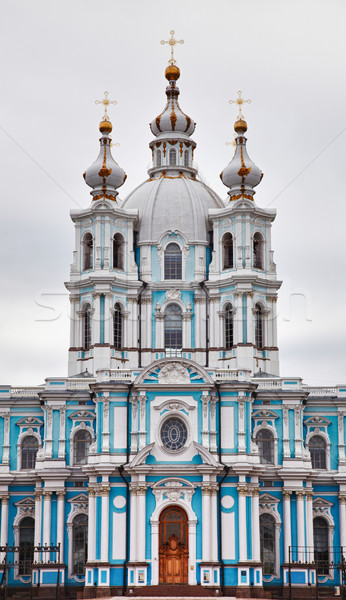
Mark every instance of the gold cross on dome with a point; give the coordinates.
(240, 101)
(106, 102)
(172, 42)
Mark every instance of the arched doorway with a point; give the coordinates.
(173, 545)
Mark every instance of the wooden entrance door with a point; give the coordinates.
(174, 550)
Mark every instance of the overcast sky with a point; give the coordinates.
(288, 56)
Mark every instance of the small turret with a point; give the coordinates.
(104, 176)
(241, 175)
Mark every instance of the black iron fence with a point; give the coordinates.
(23, 560)
(323, 561)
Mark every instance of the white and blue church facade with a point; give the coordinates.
(173, 452)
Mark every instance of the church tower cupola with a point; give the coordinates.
(241, 175)
(172, 149)
(104, 176)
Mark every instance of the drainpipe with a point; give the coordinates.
(121, 469)
(144, 285)
(227, 468)
(203, 286)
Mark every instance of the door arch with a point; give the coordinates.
(173, 545)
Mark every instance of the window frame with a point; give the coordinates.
(177, 267)
(118, 243)
(118, 320)
(227, 257)
(87, 255)
(266, 515)
(86, 327)
(314, 466)
(25, 436)
(173, 350)
(258, 254)
(76, 432)
(270, 433)
(172, 152)
(79, 516)
(259, 326)
(228, 326)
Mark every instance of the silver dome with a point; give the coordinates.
(173, 204)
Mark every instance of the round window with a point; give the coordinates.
(173, 434)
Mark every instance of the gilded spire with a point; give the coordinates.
(240, 125)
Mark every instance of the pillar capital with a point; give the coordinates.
(47, 495)
(4, 498)
(104, 490)
(61, 494)
(91, 492)
(255, 491)
(142, 490)
(286, 494)
(300, 494)
(242, 490)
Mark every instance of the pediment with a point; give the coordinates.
(268, 499)
(30, 422)
(173, 371)
(317, 421)
(265, 415)
(80, 499)
(82, 415)
(322, 503)
(142, 455)
(206, 456)
(26, 503)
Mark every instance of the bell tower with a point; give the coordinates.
(242, 274)
(104, 281)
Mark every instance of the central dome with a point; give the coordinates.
(173, 204)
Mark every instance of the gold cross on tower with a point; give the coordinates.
(240, 101)
(105, 103)
(172, 42)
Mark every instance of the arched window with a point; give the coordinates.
(265, 443)
(173, 262)
(321, 551)
(117, 327)
(259, 330)
(79, 544)
(81, 443)
(173, 324)
(26, 545)
(118, 251)
(318, 451)
(227, 243)
(186, 158)
(172, 157)
(228, 326)
(267, 541)
(158, 158)
(29, 450)
(258, 244)
(88, 251)
(87, 327)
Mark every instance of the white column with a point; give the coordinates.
(142, 430)
(108, 320)
(160, 343)
(287, 523)
(250, 319)
(141, 496)
(133, 525)
(4, 523)
(300, 524)
(91, 525)
(47, 507)
(241, 424)
(205, 426)
(286, 436)
(309, 527)
(242, 524)
(105, 427)
(213, 524)
(256, 549)
(134, 426)
(192, 551)
(105, 522)
(197, 323)
(49, 431)
(95, 322)
(238, 319)
(341, 437)
(6, 445)
(62, 435)
(38, 519)
(149, 323)
(342, 512)
(60, 522)
(213, 432)
(298, 450)
(206, 523)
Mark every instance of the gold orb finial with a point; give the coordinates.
(240, 126)
(172, 73)
(105, 126)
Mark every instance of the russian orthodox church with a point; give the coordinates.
(173, 452)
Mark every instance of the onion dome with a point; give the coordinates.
(104, 176)
(241, 175)
(172, 121)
